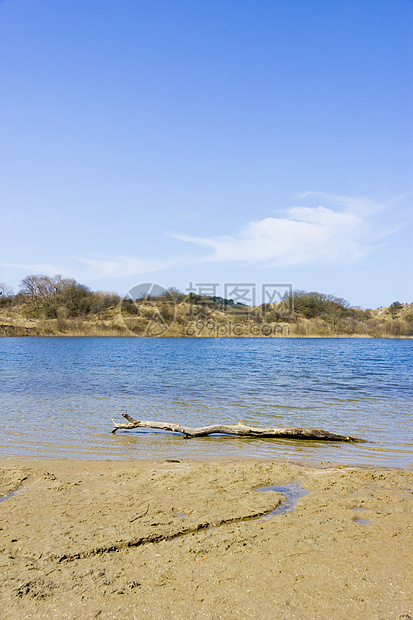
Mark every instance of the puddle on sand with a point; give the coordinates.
(361, 521)
(292, 493)
(3, 499)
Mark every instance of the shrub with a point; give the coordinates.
(312, 305)
(395, 307)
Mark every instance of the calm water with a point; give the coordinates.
(58, 395)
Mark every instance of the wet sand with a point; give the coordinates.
(158, 539)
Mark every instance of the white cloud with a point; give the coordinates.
(354, 204)
(35, 268)
(305, 235)
(96, 266)
(342, 231)
(103, 266)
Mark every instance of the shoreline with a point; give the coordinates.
(219, 337)
(182, 538)
(305, 462)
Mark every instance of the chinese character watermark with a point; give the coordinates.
(276, 293)
(240, 293)
(149, 309)
(208, 289)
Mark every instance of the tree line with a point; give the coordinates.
(48, 296)
(63, 304)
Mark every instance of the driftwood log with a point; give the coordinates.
(240, 429)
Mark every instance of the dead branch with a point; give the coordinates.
(239, 429)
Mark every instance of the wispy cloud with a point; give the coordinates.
(353, 204)
(104, 266)
(44, 268)
(305, 235)
(341, 230)
(95, 267)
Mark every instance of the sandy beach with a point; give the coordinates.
(186, 539)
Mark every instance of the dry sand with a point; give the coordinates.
(158, 539)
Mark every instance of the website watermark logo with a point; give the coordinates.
(233, 329)
(148, 309)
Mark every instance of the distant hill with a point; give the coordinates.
(56, 306)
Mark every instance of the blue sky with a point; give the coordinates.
(204, 141)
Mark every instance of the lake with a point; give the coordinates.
(58, 395)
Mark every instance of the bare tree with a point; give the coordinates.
(40, 289)
(6, 290)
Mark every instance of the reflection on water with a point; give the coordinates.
(291, 492)
(58, 395)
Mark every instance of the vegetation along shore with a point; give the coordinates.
(57, 306)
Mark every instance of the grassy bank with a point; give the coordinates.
(57, 306)
(155, 318)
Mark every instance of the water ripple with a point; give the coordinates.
(58, 395)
